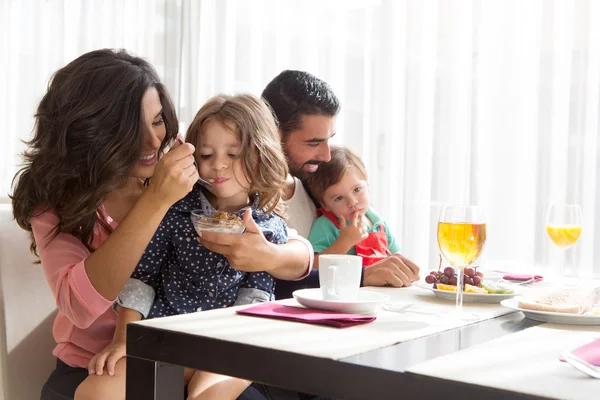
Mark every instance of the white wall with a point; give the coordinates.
(27, 312)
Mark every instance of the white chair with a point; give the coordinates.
(27, 312)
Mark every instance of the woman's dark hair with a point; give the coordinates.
(88, 135)
(294, 94)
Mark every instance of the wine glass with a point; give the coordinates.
(461, 237)
(563, 225)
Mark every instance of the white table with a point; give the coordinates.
(524, 362)
(315, 359)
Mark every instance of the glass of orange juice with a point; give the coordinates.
(563, 225)
(461, 238)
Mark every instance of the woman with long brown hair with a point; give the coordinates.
(83, 194)
(100, 132)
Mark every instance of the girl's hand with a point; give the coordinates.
(353, 233)
(175, 175)
(107, 358)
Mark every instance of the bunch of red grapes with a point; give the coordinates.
(449, 277)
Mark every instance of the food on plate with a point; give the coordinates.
(468, 288)
(575, 300)
(495, 287)
(474, 282)
(450, 277)
(448, 288)
(475, 289)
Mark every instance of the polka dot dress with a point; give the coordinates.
(187, 277)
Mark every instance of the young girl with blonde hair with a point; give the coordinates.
(238, 150)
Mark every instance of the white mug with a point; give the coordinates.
(339, 276)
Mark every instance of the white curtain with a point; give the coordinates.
(489, 102)
(38, 37)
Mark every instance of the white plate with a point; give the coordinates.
(367, 302)
(468, 297)
(554, 317)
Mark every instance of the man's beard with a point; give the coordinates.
(298, 171)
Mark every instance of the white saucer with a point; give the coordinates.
(367, 302)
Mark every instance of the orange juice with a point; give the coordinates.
(564, 235)
(461, 243)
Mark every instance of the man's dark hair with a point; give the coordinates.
(293, 94)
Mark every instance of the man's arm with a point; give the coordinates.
(395, 270)
(247, 252)
(296, 259)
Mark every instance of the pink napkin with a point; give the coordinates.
(589, 353)
(510, 276)
(300, 314)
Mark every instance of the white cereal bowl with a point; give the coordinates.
(203, 223)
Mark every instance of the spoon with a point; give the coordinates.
(204, 183)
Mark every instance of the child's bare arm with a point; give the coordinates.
(125, 316)
(340, 246)
(112, 353)
(350, 234)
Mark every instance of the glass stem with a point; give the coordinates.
(561, 265)
(459, 290)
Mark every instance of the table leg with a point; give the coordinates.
(151, 380)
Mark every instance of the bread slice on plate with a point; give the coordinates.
(575, 300)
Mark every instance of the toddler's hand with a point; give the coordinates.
(107, 357)
(354, 232)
